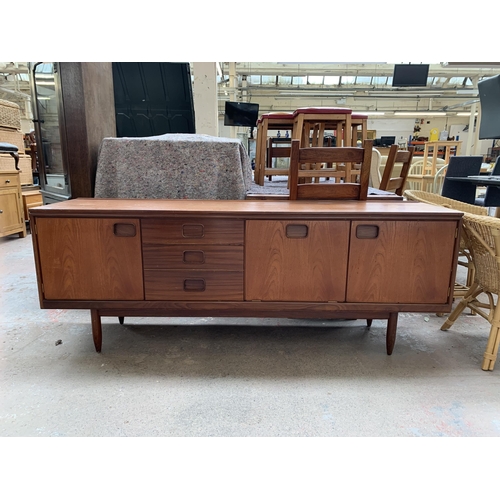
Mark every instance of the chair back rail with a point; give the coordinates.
(320, 155)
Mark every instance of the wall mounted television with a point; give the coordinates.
(489, 97)
(410, 75)
(241, 114)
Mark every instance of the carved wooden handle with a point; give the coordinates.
(367, 232)
(193, 230)
(193, 257)
(296, 231)
(124, 230)
(194, 285)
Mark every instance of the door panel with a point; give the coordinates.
(90, 259)
(296, 260)
(386, 256)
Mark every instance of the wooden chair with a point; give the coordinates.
(483, 235)
(327, 190)
(397, 184)
(319, 119)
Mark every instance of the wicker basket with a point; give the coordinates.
(12, 136)
(10, 115)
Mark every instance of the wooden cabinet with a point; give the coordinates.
(11, 208)
(243, 258)
(73, 110)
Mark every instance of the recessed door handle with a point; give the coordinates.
(194, 285)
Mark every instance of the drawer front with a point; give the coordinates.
(192, 230)
(8, 180)
(193, 285)
(229, 258)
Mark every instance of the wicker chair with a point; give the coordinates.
(483, 237)
(464, 252)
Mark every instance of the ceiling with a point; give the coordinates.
(285, 86)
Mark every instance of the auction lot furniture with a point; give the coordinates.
(173, 166)
(11, 205)
(241, 258)
(483, 236)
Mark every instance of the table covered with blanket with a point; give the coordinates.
(173, 166)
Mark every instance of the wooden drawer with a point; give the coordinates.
(157, 232)
(9, 180)
(193, 285)
(229, 258)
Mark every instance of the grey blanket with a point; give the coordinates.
(173, 166)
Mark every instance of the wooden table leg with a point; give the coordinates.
(120, 319)
(392, 325)
(96, 329)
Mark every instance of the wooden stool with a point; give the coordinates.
(357, 121)
(277, 148)
(269, 121)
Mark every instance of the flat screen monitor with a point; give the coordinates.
(387, 140)
(410, 75)
(241, 114)
(489, 97)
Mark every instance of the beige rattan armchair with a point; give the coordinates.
(464, 252)
(483, 237)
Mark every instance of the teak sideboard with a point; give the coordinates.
(293, 259)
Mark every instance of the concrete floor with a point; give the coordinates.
(234, 377)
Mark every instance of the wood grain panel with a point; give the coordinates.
(186, 285)
(296, 269)
(10, 217)
(408, 262)
(193, 231)
(193, 257)
(82, 259)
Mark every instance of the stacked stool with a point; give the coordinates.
(269, 121)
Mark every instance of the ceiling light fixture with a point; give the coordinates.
(420, 113)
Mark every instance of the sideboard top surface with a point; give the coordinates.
(249, 209)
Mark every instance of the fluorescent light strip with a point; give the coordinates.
(420, 113)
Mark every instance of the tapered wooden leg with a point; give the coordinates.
(369, 322)
(392, 325)
(96, 329)
(120, 319)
